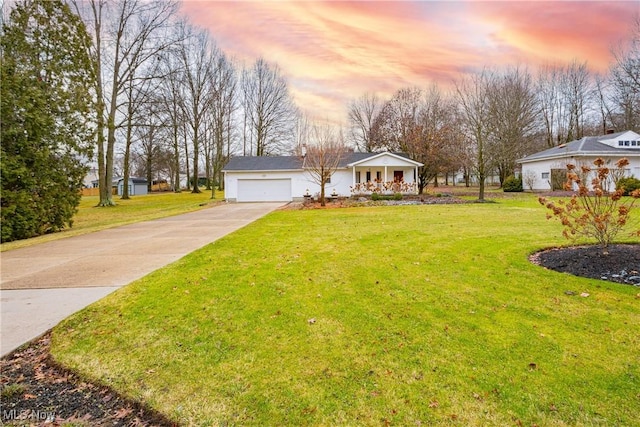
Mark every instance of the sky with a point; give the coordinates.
(332, 52)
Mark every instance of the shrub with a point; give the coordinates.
(594, 212)
(512, 184)
(530, 179)
(628, 185)
(397, 196)
(375, 197)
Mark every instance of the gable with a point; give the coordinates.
(385, 159)
(624, 140)
(593, 146)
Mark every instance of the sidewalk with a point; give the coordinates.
(43, 284)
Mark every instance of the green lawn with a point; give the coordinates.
(416, 315)
(139, 208)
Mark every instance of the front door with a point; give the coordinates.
(398, 176)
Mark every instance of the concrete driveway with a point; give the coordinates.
(43, 284)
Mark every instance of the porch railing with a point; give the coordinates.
(389, 187)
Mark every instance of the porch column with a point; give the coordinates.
(415, 180)
(353, 178)
(385, 174)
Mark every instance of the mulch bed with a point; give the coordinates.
(620, 263)
(38, 392)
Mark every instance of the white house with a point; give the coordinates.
(539, 168)
(285, 178)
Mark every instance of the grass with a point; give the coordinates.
(139, 208)
(408, 315)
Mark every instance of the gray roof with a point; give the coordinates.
(272, 163)
(587, 146)
(264, 163)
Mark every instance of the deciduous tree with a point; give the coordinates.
(323, 155)
(362, 115)
(269, 109)
(474, 104)
(127, 34)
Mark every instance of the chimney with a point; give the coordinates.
(610, 131)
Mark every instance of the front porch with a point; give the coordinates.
(388, 187)
(385, 173)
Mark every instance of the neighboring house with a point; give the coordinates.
(285, 178)
(546, 170)
(91, 178)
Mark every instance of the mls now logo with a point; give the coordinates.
(28, 414)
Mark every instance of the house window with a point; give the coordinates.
(620, 143)
(545, 175)
(327, 178)
(626, 143)
(368, 176)
(633, 143)
(358, 177)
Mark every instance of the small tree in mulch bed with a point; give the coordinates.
(594, 211)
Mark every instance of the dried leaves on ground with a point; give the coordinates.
(37, 392)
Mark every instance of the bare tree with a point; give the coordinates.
(302, 133)
(576, 91)
(395, 126)
(512, 118)
(127, 34)
(269, 109)
(436, 140)
(362, 114)
(625, 81)
(565, 97)
(550, 104)
(170, 106)
(323, 155)
(474, 103)
(139, 109)
(224, 106)
(197, 55)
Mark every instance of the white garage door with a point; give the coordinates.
(264, 190)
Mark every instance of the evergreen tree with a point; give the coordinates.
(47, 113)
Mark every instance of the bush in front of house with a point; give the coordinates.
(377, 196)
(512, 184)
(628, 185)
(593, 211)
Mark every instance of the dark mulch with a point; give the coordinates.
(35, 389)
(37, 392)
(620, 263)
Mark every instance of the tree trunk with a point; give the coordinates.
(176, 153)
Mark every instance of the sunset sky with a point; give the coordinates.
(332, 51)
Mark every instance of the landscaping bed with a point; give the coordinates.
(620, 263)
(38, 392)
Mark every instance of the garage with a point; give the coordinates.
(264, 190)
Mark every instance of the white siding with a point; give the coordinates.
(545, 166)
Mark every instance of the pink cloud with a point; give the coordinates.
(334, 51)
